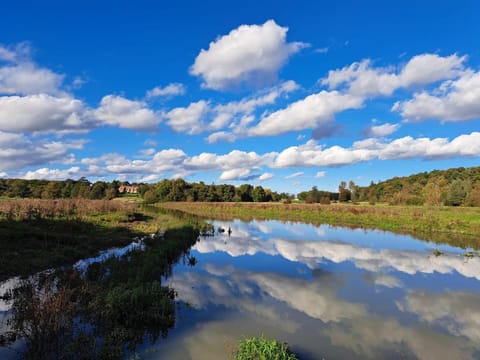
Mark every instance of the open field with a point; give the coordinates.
(459, 226)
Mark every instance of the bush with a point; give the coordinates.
(262, 349)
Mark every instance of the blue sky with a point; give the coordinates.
(275, 93)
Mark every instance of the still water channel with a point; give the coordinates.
(331, 293)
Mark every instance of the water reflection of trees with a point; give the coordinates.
(102, 313)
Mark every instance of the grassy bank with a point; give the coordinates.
(458, 226)
(105, 312)
(40, 234)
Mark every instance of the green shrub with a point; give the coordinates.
(255, 348)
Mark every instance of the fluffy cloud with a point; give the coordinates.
(26, 79)
(188, 119)
(382, 130)
(125, 113)
(234, 174)
(41, 112)
(202, 116)
(221, 136)
(309, 113)
(456, 100)
(361, 79)
(20, 76)
(18, 151)
(265, 176)
(234, 165)
(228, 112)
(238, 165)
(248, 54)
(53, 174)
(169, 90)
(312, 154)
(320, 174)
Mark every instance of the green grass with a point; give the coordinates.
(29, 244)
(457, 226)
(260, 348)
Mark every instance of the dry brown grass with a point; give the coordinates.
(35, 209)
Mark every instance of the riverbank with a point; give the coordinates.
(42, 234)
(458, 226)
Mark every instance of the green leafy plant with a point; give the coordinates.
(260, 348)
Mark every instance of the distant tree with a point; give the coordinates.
(163, 189)
(258, 194)
(343, 193)
(97, 190)
(473, 196)
(111, 193)
(354, 191)
(150, 196)
(19, 188)
(67, 188)
(212, 194)
(457, 193)
(432, 193)
(245, 192)
(53, 190)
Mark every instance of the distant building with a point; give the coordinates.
(125, 189)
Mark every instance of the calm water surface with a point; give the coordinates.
(329, 292)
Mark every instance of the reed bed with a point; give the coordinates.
(68, 209)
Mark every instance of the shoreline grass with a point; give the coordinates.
(42, 234)
(457, 226)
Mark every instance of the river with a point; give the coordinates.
(329, 292)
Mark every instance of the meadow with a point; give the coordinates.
(40, 234)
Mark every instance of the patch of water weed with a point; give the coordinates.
(262, 349)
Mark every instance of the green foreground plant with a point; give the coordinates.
(260, 348)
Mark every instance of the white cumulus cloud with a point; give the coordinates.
(308, 113)
(172, 89)
(362, 79)
(41, 112)
(188, 119)
(221, 136)
(313, 154)
(455, 100)
(18, 151)
(53, 174)
(129, 114)
(250, 54)
(382, 130)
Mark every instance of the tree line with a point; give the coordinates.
(452, 187)
(45, 189)
(165, 190)
(180, 190)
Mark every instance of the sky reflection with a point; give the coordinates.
(329, 292)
